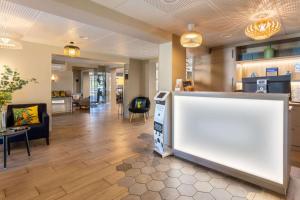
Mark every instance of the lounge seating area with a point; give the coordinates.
(37, 131)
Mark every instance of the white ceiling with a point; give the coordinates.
(220, 21)
(41, 27)
(133, 28)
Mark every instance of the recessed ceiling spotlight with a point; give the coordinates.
(83, 37)
(227, 35)
(10, 41)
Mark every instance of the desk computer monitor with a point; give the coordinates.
(275, 84)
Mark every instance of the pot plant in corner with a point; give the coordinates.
(10, 81)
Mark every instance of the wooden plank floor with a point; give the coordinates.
(81, 161)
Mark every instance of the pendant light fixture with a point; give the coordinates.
(191, 39)
(263, 29)
(71, 50)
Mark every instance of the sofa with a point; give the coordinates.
(36, 131)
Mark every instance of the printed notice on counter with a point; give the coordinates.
(297, 67)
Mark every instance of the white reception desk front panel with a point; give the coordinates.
(243, 135)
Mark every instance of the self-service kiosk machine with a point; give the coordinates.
(162, 124)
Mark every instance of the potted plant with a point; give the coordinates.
(10, 81)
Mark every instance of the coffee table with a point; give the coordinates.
(6, 134)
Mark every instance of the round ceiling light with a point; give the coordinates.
(71, 50)
(191, 39)
(10, 41)
(263, 29)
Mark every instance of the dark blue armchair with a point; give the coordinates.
(37, 131)
(139, 105)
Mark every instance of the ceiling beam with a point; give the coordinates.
(91, 13)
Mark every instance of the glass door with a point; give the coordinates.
(98, 87)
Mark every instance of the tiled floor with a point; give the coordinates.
(149, 177)
(96, 156)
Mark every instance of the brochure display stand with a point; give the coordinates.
(162, 124)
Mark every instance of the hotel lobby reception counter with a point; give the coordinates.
(240, 134)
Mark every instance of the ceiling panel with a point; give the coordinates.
(215, 19)
(41, 27)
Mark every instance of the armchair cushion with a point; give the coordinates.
(26, 116)
(139, 105)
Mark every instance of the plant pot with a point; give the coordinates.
(2, 120)
(269, 52)
(3, 115)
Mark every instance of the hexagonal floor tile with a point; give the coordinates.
(187, 179)
(202, 176)
(159, 176)
(203, 186)
(143, 178)
(174, 173)
(169, 193)
(137, 189)
(236, 190)
(165, 161)
(126, 181)
(148, 170)
(176, 165)
(149, 195)
(220, 194)
(203, 196)
(172, 182)
(186, 190)
(133, 172)
(138, 165)
(131, 197)
(188, 170)
(162, 167)
(185, 198)
(218, 183)
(155, 185)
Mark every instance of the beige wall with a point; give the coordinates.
(85, 84)
(76, 81)
(33, 60)
(63, 80)
(141, 82)
(165, 66)
(178, 60)
(150, 89)
(214, 69)
(172, 63)
(113, 87)
(134, 86)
